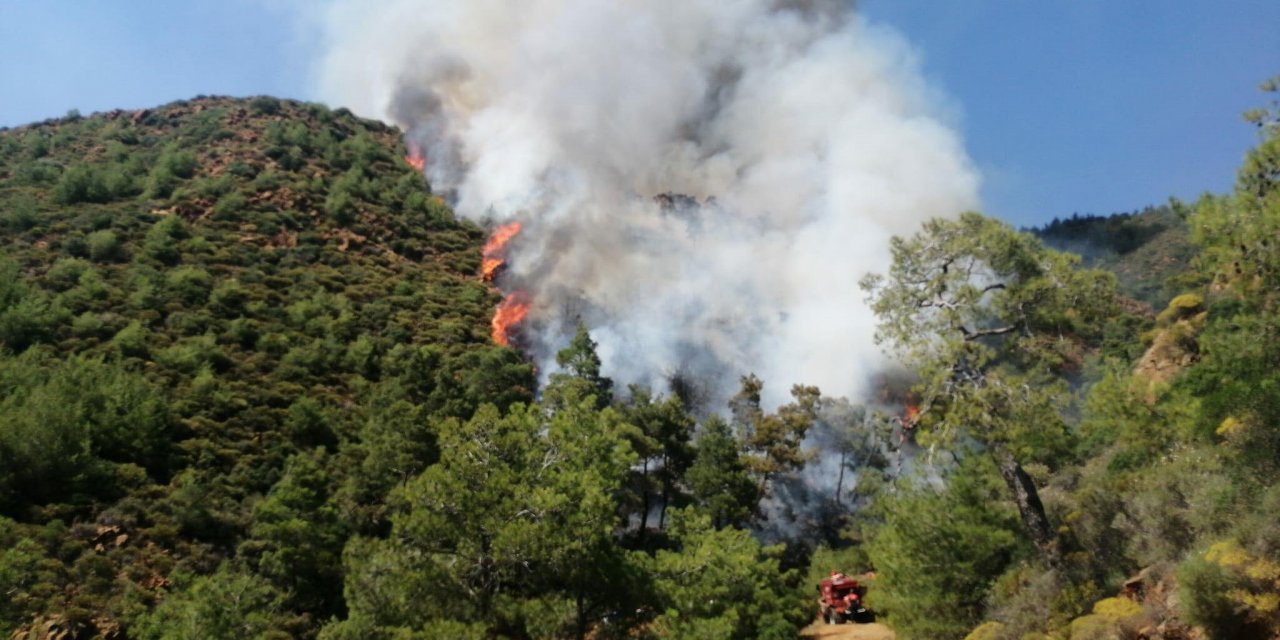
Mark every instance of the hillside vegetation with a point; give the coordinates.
(1147, 249)
(1109, 475)
(224, 325)
(247, 389)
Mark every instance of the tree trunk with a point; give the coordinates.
(1029, 505)
(840, 480)
(644, 500)
(582, 616)
(666, 497)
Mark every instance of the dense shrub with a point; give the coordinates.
(265, 105)
(104, 246)
(27, 315)
(190, 284)
(63, 424)
(81, 183)
(229, 603)
(18, 216)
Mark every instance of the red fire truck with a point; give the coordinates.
(841, 599)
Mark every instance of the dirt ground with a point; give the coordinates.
(824, 631)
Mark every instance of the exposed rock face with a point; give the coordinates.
(1175, 345)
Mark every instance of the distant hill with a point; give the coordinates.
(1143, 248)
(197, 301)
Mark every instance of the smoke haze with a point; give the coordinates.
(803, 136)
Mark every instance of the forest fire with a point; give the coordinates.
(515, 306)
(494, 255)
(910, 416)
(415, 158)
(513, 309)
(510, 313)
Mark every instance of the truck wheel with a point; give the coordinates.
(829, 615)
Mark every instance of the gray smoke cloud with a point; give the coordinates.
(803, 136)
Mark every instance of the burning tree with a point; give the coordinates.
(993, 322)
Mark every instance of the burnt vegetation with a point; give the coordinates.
(248, 388)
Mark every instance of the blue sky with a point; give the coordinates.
(1090, 106)
(1096, 106)
(95, 55)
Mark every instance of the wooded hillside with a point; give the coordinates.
(248, 389)
(224, 324)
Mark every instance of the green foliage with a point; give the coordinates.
(1118, 413)
(394, 444)
(172, 167)
(226, 604)
(27, 315)
(309, 423)
(181, 164)
(81, 183)
(66, 273)
(27, 575)
(230, 205)
(104, 246)
(939, 552)
(1205, 587)
(132, 341)
(62, 425)
(161, 182)
(189, 284)
(993, 298)
(18, 216)
(579, 376)
(1234, 230)
(1228, 584)
(1181, 307)
(1179, 458)
(512, 510)
(1148, 250)
(720, 584)
(662, 441)
(162, 240)
(995, 324)
(719, 480)
(987, 631)
(849, 560)
(1019, 274)
(176, 337)
(228, 298)
(297, 536)
(1111, 618)
(772, 442)
(265, 105)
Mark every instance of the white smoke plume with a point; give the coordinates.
(804, 137)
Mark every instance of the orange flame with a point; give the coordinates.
(494, 250)
(511, 311)
(415, 158)
(912, 414)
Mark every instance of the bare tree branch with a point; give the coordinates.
(982, 333)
